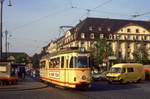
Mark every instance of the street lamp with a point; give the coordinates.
(6, 34)
(1, 25)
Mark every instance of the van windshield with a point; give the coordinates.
(115, 70)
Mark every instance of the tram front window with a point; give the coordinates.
(82, 62)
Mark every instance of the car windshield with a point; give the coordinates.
(115, 70)
(81, 62)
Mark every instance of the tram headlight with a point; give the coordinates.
(75, 78)
(83, 77)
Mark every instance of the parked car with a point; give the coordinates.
(96, 76)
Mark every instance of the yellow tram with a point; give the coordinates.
(68, 69)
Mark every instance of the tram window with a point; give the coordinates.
(50, 64)
(66, 63)
(54, 63)
(82, 62)
(57, 63)
(71, 62)
(62, 62)
(42, 65)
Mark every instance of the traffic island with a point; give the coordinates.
(24, 85)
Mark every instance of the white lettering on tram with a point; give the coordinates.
(54, 75)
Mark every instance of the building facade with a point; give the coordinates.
(123, 35)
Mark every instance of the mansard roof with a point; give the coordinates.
(105, 23)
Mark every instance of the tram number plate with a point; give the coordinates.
(54, 75)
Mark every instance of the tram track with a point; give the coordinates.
(70, 93)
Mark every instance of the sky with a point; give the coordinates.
(32, 24)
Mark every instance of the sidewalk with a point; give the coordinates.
(26, 84)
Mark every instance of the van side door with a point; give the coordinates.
(130, 74)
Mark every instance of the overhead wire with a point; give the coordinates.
(139, 15)
(104, 3)
(94, 9)
(88, 11)
(39, 19)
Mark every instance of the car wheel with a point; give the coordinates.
(139, 80)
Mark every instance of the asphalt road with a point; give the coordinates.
(99, 90)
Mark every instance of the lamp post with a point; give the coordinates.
(6, 34)
(1, 26)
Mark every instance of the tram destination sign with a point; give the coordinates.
(54, 75)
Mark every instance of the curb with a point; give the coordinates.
(22, 89)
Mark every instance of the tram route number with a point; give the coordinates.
(54, 75)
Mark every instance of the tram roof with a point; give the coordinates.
(65, 52)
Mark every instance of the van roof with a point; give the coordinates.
(127, 64)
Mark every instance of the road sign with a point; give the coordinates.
(112, 57)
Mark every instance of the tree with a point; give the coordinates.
(35, 60)
(140, 54)
(101, 50)
(21, 58)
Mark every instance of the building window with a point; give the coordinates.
(82, 35)
(128, 46)
(114, 37)
(135, 45)
(110, 36)
(137, 31)
(99, 29)
(92, 36)
(144, 38)
(82, 44)
(76, 29)
(90, 28)
(108, 29)
(128, 30)
(128, 37)
(137, 37)
(109, 43)
(118, 37)
(101, 36)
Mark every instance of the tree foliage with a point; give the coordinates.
(35, 60)
(100, 50)
(140, 54)
(21, 58)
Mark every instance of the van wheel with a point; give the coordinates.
(122, 81)
(109, 82)
(139, 80)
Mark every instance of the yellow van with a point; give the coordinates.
(126, 72)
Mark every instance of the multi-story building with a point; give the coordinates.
(123, 35)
